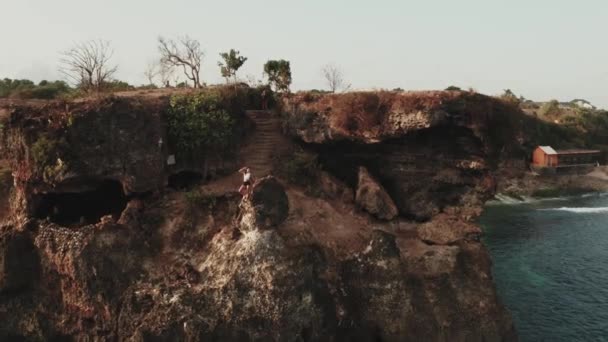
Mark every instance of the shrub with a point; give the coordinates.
(116, 85)
(46, 154)
(26, 89)
(300, 167)
(453, 88)
(199, 122)
(198, 198)
(361, 111)
(550, 109)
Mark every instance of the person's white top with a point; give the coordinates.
(247, 177)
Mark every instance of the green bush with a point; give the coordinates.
(46, 154)
(199, 123)
(198, 199)
(116, 85)
(301, 168)
(26, 89)
(550, 109)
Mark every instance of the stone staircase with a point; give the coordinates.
(265, 140)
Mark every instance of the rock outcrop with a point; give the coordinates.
(287, 264)
(372, 197)
(270, 202)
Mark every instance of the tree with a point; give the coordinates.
(87, 64)
(185, 53)
(510, 97)
(279, 74)
(151, 71)
(166, 74)
(334, 77)
(550, 109)
(232, 62)
(453, 88)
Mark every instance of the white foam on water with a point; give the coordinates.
(581, 210)
(502, 199)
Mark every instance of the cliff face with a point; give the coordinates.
(286, 265)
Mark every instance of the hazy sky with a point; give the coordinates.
(542, 49)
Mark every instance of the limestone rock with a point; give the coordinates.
(269, 202)
(132, 213)
(444, 230)
(375, 282)
(372, 197)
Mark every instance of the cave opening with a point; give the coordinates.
(84, 207)
(184, 180)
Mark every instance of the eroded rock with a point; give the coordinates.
(269, 202)
(19, 261)
(335, 188)
(372, 197)
(203, 268)
(376, 289)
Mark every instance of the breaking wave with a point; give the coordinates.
(581, 210)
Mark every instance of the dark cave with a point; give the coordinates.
(184, 180)
(81, 208)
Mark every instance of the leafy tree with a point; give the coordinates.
(231, 64)
(279, 74)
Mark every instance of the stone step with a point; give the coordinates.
(268, 138)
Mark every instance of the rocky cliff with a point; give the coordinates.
(380, 243)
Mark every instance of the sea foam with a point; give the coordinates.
(581, 210)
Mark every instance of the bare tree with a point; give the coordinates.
(185, 53)
(152, 70)
(87, 64)
(334, 77)
(166, 73)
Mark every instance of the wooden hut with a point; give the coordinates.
(547, 157)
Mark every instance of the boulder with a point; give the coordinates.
(132, 213)
(269, 202)
(372, 197)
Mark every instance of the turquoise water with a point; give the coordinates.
(551, 266)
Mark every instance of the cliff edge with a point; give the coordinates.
(371, 238)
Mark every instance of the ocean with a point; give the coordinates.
(550, 265)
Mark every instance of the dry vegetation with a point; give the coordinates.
(500, 123)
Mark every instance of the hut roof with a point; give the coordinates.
(548, 150)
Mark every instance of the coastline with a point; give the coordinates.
(518, 185)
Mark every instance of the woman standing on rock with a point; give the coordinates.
(247, 181)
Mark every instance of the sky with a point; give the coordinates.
(541, 49)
